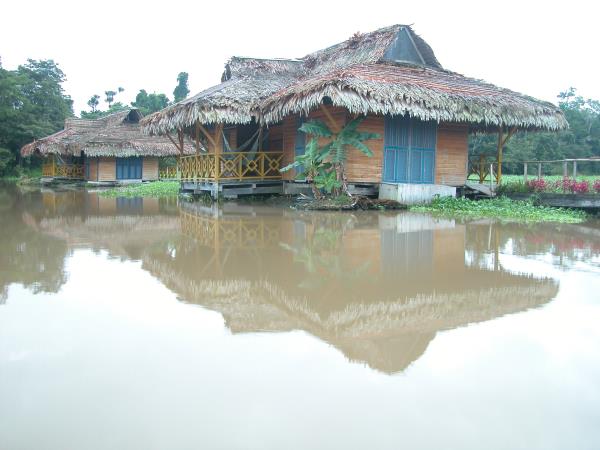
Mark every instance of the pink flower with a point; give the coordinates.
(537, 185)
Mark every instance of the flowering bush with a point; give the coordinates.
(537, 185)
(564, 185)
(581, 187)
(573, 186)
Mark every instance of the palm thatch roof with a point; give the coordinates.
(117, 134)
(388, 71)
(245, 82)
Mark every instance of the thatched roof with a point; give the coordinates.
(117, 134)
(387, 71)
(245, 82)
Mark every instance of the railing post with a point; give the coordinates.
(539, 171)
(565, 170)
(481, 168)
(262, 165)
(492, 177)
(525, 173)
(574, 170)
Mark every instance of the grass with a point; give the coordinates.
(501, 208)
(152, 189)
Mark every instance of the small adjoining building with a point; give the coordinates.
(423, 113)
(108, 150)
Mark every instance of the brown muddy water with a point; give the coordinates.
(144, 324)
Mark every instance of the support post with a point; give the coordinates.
(574, 170)
(218, 145)
(539, 171)
(501, 143)
(565, 170)
(525, 173)
(492, 177)
(197, 137)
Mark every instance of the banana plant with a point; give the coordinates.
(324, 165)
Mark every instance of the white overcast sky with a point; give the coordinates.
(538, 48)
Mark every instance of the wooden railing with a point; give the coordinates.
(73, 171)
(231, 166)
(482, 166)
(168, 173)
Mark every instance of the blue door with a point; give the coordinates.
(129, 168)
(409, 150)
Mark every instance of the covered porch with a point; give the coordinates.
(54, 168)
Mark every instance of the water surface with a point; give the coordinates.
(144, 324)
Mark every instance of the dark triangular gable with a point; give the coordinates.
(404, 49)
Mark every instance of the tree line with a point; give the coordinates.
(33, 104)
(581, 140)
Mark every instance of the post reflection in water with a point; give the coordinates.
(376, 286)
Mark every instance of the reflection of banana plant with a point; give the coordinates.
(322, 259)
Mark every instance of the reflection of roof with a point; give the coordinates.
(387, 335)
(117, 134)
(388, 71)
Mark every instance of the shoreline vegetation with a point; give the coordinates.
(501, 208)
(152, 189)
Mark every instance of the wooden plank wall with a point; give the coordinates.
(150, 168)
(451, 154)
(361, 168)
(107, 169)
(285, 133)
(93, 162)
(451, 151)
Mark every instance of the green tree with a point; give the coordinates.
(149, 103)
(581, 140)
(181, 90)
(93, 102)
(32, 104)
(110, 97)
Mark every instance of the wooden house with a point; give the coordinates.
(111, 149)
(422, 112)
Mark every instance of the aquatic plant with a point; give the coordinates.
(501, 208)
(153, 189)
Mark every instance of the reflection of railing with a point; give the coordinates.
(52, 170)
(168, 173)
(236, 233)
(231, 166)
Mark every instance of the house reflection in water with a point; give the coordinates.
(376, 286)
